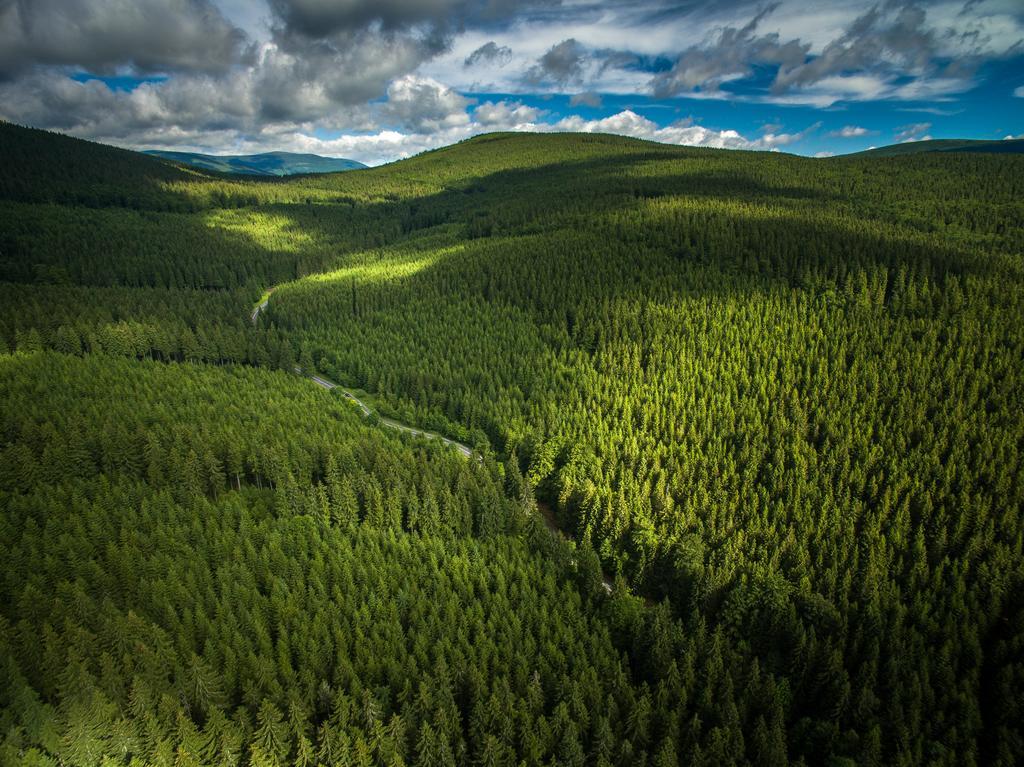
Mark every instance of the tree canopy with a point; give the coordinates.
(775, 399)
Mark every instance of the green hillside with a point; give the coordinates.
(1007, 146)
(265, 164)
(775, 400)
(41, 167)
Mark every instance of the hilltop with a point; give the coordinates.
(1006, 146)
(265, 164)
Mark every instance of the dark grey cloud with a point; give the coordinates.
(562, 64)
(188, 104)
(291, 79)
(322, 18)
(304, 79)
(734, 52)
(886, 41)
(585, 99)
(612, 59)
(489, 52)
(106, 35)
(881, 38)
(335, 53)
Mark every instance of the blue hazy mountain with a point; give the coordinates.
(266, 164)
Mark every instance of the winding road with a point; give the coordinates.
(259, 308)
(390, 423)
(544, 513)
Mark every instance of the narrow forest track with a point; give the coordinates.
(390, 423)
(547, 515)
(258, 309)
(543, 511)
(261, 305)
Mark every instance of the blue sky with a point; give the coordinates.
(380, 80)
(987, 111)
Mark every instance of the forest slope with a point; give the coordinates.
(202, 573)
(778, 392)
(779, 396)
(1006, 146)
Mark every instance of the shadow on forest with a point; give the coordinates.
(768, 233)
(731, 190)
(534, 267)
(713, 223)
(66, 245)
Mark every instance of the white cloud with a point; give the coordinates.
(507, 114)
(374, 148)
(907, 134)
(851, 131)
(937, 111)
(424, 104)
(1019, 92)
(629, 123)
(379, 147)
(394, 75)
(199, 115)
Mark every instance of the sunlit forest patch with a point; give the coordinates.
(776, 400)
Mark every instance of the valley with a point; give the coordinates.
(543, 509)
(776, 396)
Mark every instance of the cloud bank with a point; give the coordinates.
(387, 78)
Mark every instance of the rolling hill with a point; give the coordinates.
(1006, 146)
(265, 164)
(776, 400)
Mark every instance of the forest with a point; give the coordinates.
(777, 400)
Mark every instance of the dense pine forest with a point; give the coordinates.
(775, 400)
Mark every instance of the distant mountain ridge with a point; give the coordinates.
(1006, 146)
(265, 164)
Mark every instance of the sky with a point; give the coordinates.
(378, 81)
